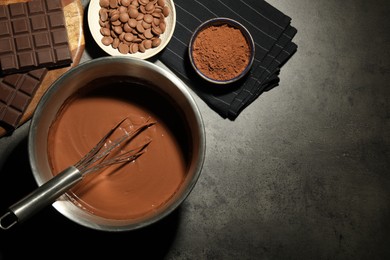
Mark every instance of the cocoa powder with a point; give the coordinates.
(221, 52)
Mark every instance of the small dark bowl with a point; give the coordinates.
(218, 22)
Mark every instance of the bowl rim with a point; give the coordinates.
(94, 29)
(220, 21)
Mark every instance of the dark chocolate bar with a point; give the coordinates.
(33, 35)
(16, 92)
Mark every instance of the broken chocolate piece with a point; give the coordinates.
(16, 93)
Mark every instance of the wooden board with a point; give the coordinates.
(73, 11)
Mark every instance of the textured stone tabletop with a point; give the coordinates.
(302, 173)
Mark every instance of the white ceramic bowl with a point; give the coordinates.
(94, 27)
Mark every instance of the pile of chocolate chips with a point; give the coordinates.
(132, 25)
(33, 39)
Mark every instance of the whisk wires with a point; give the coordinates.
(100, 156)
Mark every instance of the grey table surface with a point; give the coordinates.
(302, 173)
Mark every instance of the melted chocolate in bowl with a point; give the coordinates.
(83, 105)
(140, 187)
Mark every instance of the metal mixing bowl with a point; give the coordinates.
(163, 82)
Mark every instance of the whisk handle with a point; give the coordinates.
(43, 196)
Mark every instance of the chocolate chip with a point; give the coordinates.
(156, 42)
(147, 44)
(124, 17)
(125, 2)
(123, 48)
(148, 18)
(105, 31)
(104, 3)
(107, 40)
(115, 43)
(166, 11)
(133, 48)
(129, 37)
(133, 13)
(148, 34)
(140, 28)
(141, 47)
(132, 23)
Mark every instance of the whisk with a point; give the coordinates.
(105, 153)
